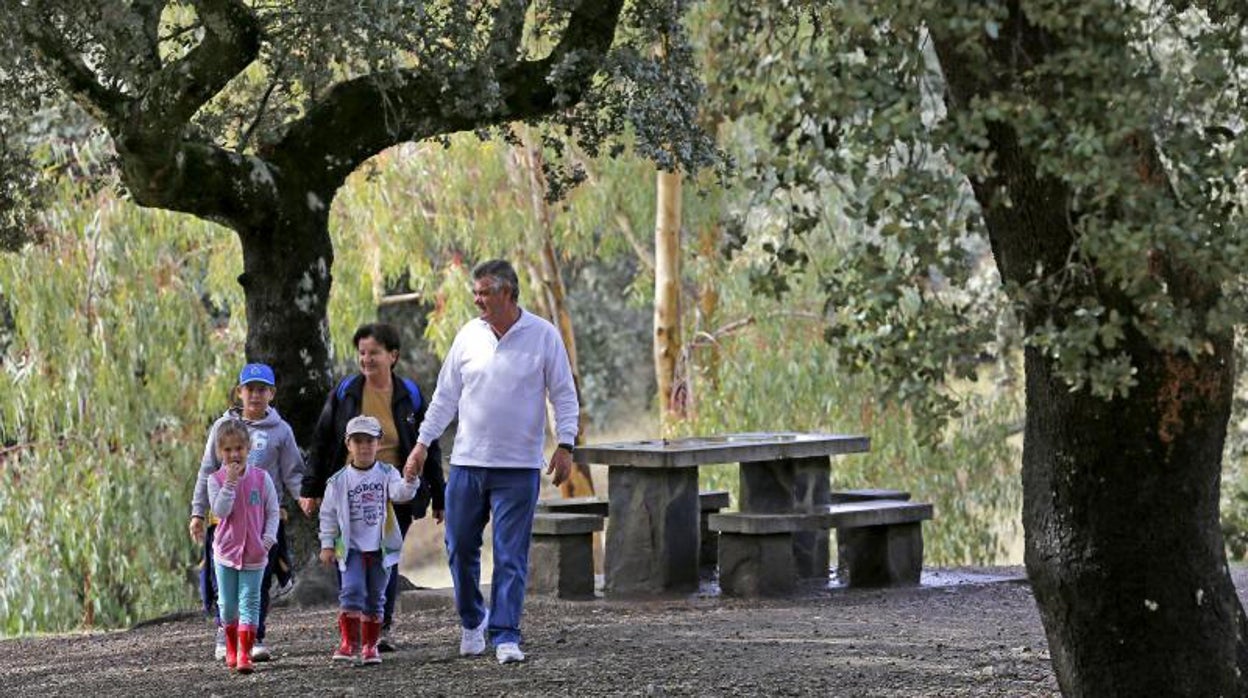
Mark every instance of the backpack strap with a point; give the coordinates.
(341, 390)
(413, 394)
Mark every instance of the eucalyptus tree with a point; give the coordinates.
(1099, 146)
(252, 114)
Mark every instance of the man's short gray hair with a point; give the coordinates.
(503, 274)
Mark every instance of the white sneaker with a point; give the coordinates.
(218, 652)
(472, 640)
(260, 653)
(508, 652)
(277, 591)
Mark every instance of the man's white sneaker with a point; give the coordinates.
(508, 652)
(472, 640)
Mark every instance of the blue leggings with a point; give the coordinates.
(279, 554)
(238, 595)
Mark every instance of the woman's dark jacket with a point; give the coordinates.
(329, 448)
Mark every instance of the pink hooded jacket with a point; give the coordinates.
(249, 516)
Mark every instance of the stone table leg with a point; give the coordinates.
(756, 565)
(767, 487)
(652, 539)
(812, 489)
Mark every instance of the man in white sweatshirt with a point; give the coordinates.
(497, 375)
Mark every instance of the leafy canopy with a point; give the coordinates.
(347, 79)
(1131, 112)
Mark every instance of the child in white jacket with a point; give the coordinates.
(359, 532)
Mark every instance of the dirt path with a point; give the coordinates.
(966, 633)
(968, 639)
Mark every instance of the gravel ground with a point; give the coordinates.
(963, 633)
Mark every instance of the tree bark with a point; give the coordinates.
(1123, 544)
(667, 291)
(708, 306)
(286, 282)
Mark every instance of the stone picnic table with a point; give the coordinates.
(653, 538)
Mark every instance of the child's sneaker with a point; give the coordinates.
(280, 590)
(218, 653)
(385, 643)
(259, 652)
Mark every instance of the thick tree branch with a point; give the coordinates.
(359, 118)
(508, 31)
(207, 181)
(149, 11)
(1019, 241)
(231, 42)
(79, 81)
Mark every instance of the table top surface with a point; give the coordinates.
(723, 448)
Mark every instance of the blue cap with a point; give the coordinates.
(256, 373)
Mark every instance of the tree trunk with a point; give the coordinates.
(286, 280)
(1121, 497)
(1123, 544)
(667, 292)
(528, 159)
(581, 482)
(708, 304)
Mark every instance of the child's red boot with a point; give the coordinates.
(246, 639)
(372, 633)
(349, 632)
(231, 645)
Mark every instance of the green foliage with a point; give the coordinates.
(426, 214)
(835, 121)
(465, 53)
(854, 95)
(115, 370)
(777, 374)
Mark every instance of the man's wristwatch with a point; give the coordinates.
(569, 448)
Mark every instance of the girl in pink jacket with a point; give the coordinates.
(244, 499)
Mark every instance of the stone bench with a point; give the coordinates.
(879, 543)
(867, 495)
(709, 502)
(561, 558)
(573, 505)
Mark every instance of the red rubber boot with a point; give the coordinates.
(372, 633)
(231, 645)
(349, 631)
(246, 638)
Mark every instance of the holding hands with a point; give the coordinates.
(309, 505)
(415, 462)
